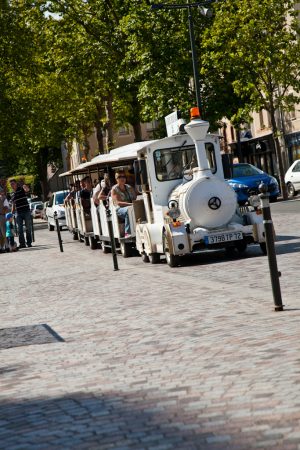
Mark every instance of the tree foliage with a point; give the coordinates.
(255, 45)
(69, 66)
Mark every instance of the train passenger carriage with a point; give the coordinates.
(183, 205)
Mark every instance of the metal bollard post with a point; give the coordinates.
(268, 226)
(32, 230)
(58, 232)
(112, 238)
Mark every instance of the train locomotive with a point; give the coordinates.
(184, 204)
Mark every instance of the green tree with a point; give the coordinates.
(254, 44)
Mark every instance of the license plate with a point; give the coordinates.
(223, 237)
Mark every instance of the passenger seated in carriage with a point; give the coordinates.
(85, 195)
(123, 196)
(70, 198)
(105, 188)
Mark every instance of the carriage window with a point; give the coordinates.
(170, 163)
(211, 156)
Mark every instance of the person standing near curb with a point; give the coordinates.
(21, 207)
(12, 246)
(4, 208)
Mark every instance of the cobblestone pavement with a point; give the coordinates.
(153, 358)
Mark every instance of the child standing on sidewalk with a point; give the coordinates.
(10, 233)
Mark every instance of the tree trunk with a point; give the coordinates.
(99, 126)
(42, 166)
(278, 155)
(109, 124)
(136, 118)
(86, 144)
(239, 146)
(137, 129)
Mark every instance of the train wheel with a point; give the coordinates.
(105, 248)
(241, 246)
(263, 247)
(231, 252)
(154, 258)
(125, 249)
(172, 260)
(145, 257)
(93, 243)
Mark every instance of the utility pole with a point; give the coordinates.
(205, 12)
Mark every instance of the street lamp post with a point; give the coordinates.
(203, 11)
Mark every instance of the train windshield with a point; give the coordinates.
(170, 163)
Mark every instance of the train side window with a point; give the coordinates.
(211, 156)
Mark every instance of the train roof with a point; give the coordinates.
(118, 154)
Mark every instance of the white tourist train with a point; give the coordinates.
(183, 206)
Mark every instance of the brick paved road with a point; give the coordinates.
(154, 358)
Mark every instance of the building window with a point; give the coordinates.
(150, 126)
(293, 113)
(123, 131)
(261, 120)
(232, 134)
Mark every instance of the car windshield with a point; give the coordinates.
(59, 198)
(245, 170)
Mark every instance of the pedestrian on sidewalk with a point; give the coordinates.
(10, 236)
(4, 208)
(21, 207)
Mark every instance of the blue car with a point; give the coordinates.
(246, 179)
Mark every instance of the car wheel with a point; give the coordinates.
(50, 227)
(291, 190)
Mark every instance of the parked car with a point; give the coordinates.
(292, 178)
(36, 209)
(246, 179)
(56, 205)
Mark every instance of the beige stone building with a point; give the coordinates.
(255, 143)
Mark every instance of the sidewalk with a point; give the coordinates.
(149, 357)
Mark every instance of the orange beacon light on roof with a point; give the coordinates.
(195, 113)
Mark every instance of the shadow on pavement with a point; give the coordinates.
(286, 238)
(138, 420)
(282, 249)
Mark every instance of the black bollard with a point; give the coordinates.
(58, 232)
(111, 237)
(269, 235)
(32, 229)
